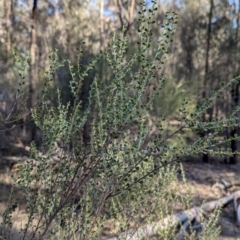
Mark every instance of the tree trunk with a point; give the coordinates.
(209, 31)
(7, 8)
(235, 99)
(33, 70)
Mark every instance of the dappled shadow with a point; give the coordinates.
(12, 234)
(208, 173)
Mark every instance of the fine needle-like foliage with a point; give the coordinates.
(120, 175)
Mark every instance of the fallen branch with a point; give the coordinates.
(183, 220)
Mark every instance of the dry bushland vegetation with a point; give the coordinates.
(98, 140)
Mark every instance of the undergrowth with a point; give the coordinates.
(124, 174)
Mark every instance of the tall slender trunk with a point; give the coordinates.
(101, 32)
(235, 96)
(205, 85)
(33, 70)
(131, 12)
(7, 8)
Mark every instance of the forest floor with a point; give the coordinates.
(200, 176)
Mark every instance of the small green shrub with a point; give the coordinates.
(120, 173)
